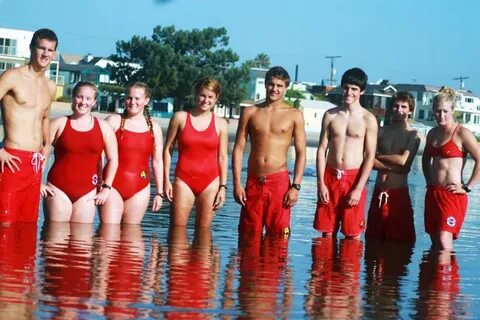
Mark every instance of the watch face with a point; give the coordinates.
(296, 186)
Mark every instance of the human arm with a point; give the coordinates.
(322, 159)
(407, 156)
(46, 132)
(172, 132)
(291, 197)
(56, 127)
(111, 166)
(370, 147)
(237, 156)
(222, 165)
(157, 166)
(427, 160)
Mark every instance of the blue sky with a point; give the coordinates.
(429, 42)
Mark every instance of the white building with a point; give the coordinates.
(313, 111)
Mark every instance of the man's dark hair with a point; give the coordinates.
(405, 97)
(355, 76)
(279, 73)
(43, 34)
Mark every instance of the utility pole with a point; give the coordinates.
(462, 83)
(332, 68)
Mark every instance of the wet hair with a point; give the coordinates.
(279, 73)
(404, 96)
(146, 110)
(210, 84)
(43, 34)
(81, 84)
(356, 77)
(445, 94)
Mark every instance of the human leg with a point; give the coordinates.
(204, 205)
(84, 209)
(183, 200)
(136, 206)
(58, 207)
(112, 209)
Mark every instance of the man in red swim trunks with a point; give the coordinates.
(391, 215)
(26, 94)
(268, 197)
(345, 156)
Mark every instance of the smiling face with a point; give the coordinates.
(136, 100)
(351, 93)
(205, 99)
(276, 89)
(43, 53)
(401, 110)
(83, 100)
(443, 113)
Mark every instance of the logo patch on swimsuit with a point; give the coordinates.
(94, 179)
(286, 233)
(451, 221)
(362, 224)
(143, 174)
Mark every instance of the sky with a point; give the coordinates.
(408, 41)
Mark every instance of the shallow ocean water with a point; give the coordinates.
(147, 271)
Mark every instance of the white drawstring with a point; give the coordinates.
(340, 173)
(37, 159)
(382, 194)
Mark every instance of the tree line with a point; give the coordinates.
(171, 61)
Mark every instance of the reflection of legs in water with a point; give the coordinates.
(192, 272)
(439, 280)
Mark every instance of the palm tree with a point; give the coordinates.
(262, 60)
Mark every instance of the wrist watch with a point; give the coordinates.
(466, 188)
(296, 186)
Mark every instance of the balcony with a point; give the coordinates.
(8, 51)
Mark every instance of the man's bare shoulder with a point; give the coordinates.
(369, 117)
(9, 76)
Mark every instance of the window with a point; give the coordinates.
(8, 47)
(469, 100)
(5, 66)
(421, 114)
(261, 81)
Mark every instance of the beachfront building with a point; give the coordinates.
(15, 52)
(313, 111)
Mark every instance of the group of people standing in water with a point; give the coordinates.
(107, 162)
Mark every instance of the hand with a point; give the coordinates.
(353, 198)
(455, 188)
(290, 198)
(46, 191)
(101, 197)
(9, 160)
(323, 193)
(240, 195)
(219, 199)
(157, 203)
(168, 191)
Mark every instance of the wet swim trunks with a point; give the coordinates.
(264, 205)
(77, 154)
(20, 190)
(444, 211)
(390, 216)
(336, 212)
(197, 164)
(134, 152)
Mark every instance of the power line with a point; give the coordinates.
(332, 68)
(462, 82)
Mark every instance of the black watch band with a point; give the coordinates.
(106, 186)
(466, 188)
(296, 186)
(222, 186)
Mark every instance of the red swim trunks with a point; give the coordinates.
(20, 190)
(329, 216)
(264, 205)
(390, 216)
(444, 211)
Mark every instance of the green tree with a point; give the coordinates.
(173, 60)
(294, 94)
(262, 60)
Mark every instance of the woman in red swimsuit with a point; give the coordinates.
(79, 141)
(139, 143)
(443, 161)
(201, 170)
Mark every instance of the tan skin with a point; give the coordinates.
(271, 127)
(396, 149)
(58, 205)
(348, 140)
(26, 95)
(448, 172)
(132, 210)
(179, 193)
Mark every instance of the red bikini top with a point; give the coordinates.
(447, 150)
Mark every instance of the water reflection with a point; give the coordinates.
(264, 285)
(439, 287)
(386, 270)
(192, 276)
(334, 287)
(17, 265)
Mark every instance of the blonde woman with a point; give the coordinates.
(139, 143)
(443, 160)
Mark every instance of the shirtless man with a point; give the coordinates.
(26, 94)
(391, 215)
(345, 157)
(268, 197)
